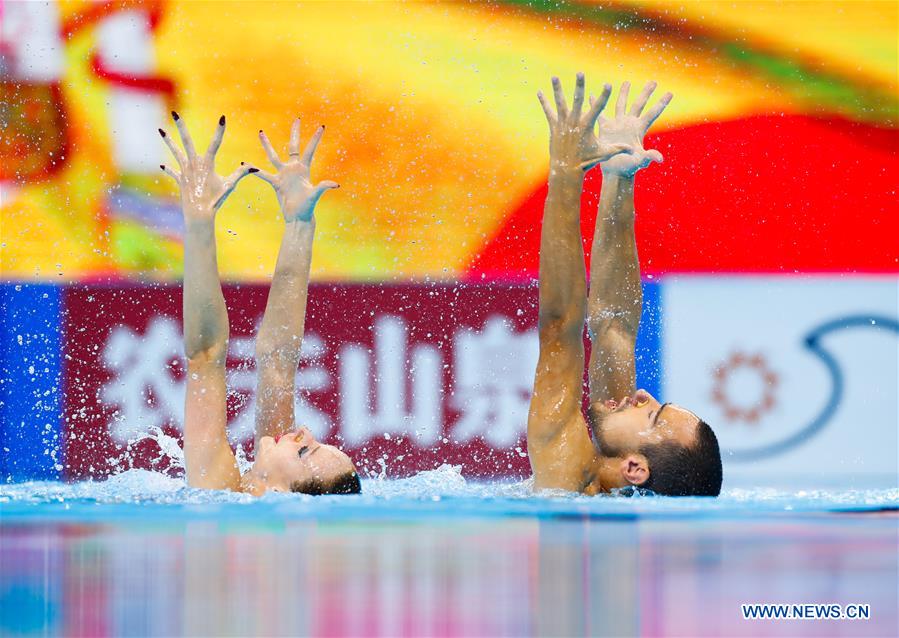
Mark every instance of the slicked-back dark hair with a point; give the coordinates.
(676, 470)
(348, 483)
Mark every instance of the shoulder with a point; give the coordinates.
(565, 458)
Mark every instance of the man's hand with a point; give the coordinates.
(202, 190)
(291, 182)
(573, 143)
(629, 127)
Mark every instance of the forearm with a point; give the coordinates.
(554, 418)
(616, 294)
(562, 289)
(280, 336)
(208, 457)
(204, 312)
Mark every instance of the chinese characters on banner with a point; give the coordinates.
(404, 377)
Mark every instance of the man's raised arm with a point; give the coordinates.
(281, 333)
(616, 294)
(210, 462)
(556, 427)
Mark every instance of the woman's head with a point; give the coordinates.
(296, 462)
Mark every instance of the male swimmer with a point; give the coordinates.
(636, 440)
(287, 459)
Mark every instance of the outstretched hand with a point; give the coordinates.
(291, 181)
(629, 127)
(203, 191)
(572, 142)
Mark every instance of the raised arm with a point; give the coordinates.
(616, 294)
(281, 333)
(556, 427)
(209, 459)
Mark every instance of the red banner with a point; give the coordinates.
(404, 378)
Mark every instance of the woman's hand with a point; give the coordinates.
(291, 181)
(573, 143)
(202, 190)
(629, 127)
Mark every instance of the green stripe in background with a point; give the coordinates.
(820, 92)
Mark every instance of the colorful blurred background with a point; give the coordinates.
(767, 237)
(780, 142)
(768, 242)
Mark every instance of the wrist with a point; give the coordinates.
(617, 180)
(300, 224)
(567, 173)
(562, 165)
(304, 214)
(198, 219)
(616, 175)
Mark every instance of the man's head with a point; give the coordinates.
(661, 447)
(296, 462)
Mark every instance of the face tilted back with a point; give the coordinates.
(298, 459)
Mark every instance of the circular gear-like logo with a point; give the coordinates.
(744, 386)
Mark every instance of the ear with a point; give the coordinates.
(635, 469)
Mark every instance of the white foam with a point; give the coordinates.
(445, 482)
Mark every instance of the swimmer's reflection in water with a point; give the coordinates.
(287, 459)
(637, 441)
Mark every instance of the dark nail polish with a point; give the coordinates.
(222, 121)
(162, 166)
(253, 170)
(175, 116)
(161, 132)
(260, 130)
(242, 163)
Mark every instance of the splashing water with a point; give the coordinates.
(419, 495)
(440, 492)
(169, 448)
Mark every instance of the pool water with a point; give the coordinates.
(434, 555)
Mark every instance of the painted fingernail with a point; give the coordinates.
(222, 121)
(175, 116)
(253, 170)
(260, 131)
(242, 163)
(161, 132)
(162, 166)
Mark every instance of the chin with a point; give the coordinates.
(606, 448)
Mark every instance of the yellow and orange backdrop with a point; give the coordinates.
(783, 126)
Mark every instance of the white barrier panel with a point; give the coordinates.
(798, 375)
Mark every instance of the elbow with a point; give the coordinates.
(265, 351)
(278, 364)
(562, 320)
(205, 355)
(269, 351)
(606, 322)
(560, 326)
